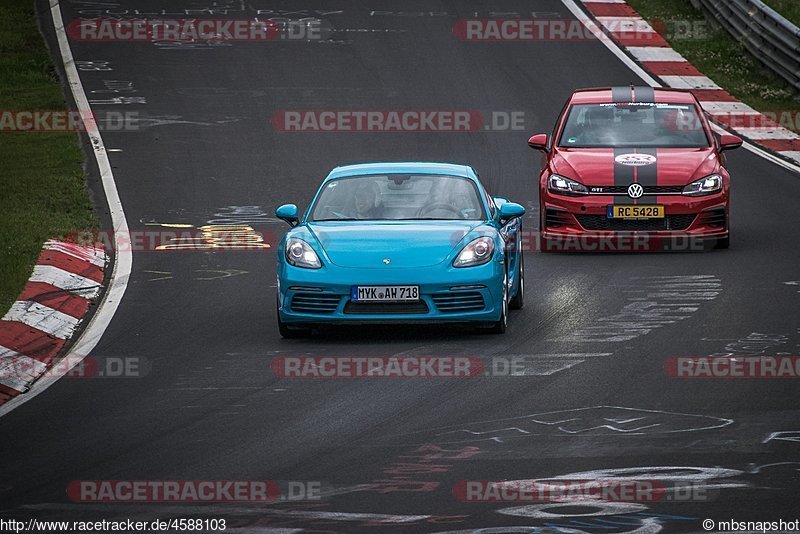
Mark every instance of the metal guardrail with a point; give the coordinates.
(764, 33)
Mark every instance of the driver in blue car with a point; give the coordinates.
(367, 202)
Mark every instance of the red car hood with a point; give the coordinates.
(597, 167)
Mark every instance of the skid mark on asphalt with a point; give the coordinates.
(592, 421)
(653, 302)
(498, 363)
(517, 365)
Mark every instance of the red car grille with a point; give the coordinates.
(603, 223)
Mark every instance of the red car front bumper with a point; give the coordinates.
(580, 223)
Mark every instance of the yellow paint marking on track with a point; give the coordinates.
(219, 236)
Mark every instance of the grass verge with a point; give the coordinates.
(718, 55)
(43, 193)
(788, 8)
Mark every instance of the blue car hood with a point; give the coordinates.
(365, 245)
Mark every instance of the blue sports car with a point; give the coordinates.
(400, 243)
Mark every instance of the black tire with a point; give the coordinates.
(519, 299)
(500, 326)
(289, 332)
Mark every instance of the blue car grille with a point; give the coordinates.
(315, 302)
(459, 301)
(385, 307)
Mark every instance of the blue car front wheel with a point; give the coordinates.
(500, 326)
(518, 301)
(289, 332)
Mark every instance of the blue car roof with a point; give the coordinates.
(403, 167)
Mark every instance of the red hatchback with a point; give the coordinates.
(633, 168)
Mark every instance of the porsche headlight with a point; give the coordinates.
(565, 186)
(705, 186)
(477, 252)
(300, 254)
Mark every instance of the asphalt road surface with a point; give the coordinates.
(594, 336)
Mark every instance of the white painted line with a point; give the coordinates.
(17, 371)
(557, 356)
(774, 159)
(606, 1)
(768, 133)
(656, 53)
(637, 69)
(95, 256)
(123, 259)
(723, 114)
(626, 24)
(793, 154)
(728, 107)
(610, 44)
(74, 283)
(546, 364)
(690, 82)
(43, 318)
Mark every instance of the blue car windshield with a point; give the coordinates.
(633, 125)
(398, 197)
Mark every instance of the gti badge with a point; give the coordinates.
(635, 191)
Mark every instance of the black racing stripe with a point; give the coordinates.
(624, 175)
(647, 176)
(645, 94)
(621, 95)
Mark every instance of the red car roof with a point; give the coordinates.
(606, 95)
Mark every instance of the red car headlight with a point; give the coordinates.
(704, 186)
(564, 186)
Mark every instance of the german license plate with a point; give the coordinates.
(384, 293)
(635, 212)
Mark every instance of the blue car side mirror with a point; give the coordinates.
(288, 213)
(511, 210)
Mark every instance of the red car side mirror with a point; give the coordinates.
(729, 142)
(538, 142)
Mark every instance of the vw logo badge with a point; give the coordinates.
(635, 191)
(387, 261)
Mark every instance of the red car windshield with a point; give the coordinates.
(633, 125)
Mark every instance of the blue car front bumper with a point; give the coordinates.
(447, 294)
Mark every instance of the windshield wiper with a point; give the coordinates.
(337, 219)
